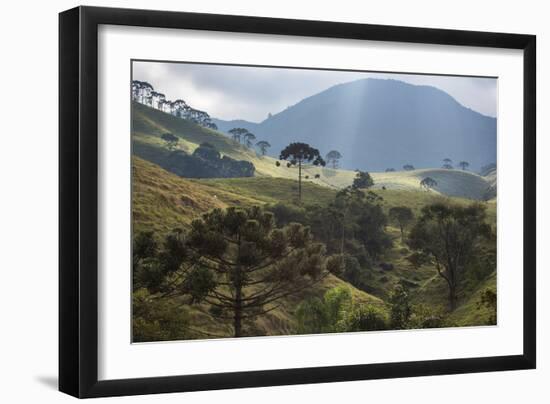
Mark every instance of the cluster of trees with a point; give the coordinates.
(448, 164)
(242, 262)
(245, 137)
(204, 162)
(145, 94)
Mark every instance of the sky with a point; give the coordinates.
(251, 93)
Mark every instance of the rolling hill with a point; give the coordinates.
(377, 124)
(162, 201)
(149, 124)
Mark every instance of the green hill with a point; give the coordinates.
(163, 201)
(149, 124)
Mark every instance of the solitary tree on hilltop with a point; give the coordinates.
(263, 146)
(333, 158)
(428, 183)
(447, 161)
(170, 139)
(464, 165)
(301, 153)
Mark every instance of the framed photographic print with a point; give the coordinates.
(251, 201)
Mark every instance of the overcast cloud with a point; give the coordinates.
(250, 93)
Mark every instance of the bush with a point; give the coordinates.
(155, 319)
(366, 318)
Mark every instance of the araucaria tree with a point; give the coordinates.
(298, 154)
(249, 138)
(333, 158)
(403, 216)
(464, 165)
(170, 139)
(450, 237)
(263, 145)
(237, 134)
(239, 263)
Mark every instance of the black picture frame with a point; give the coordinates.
(78, 201)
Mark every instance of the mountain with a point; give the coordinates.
(226, 126)
(377, 124)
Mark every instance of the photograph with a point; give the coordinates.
(280, 201)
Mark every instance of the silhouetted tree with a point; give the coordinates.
(301, 153)
(464, 165)
(448, 161)
(249, 138)
(263, 146)
(428, 183)
(333, 157)
(447, 166)
(238, 134)
(450, 237)
(389, 170)
(170, 139)
(235, 134)
(408, 167)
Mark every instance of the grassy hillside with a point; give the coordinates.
(149, 124)
(163, 201)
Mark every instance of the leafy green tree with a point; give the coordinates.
(263, 145)
(362, 180)
(366, 317)
(298, 154)
(428, 183)
(403, 216)
(333, 158)
(400, 307)
(325, 315)
(171, 140)
(450, 237)
(337, 312)
(464, 165)
(238, 262)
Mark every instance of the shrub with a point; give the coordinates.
(366, 318)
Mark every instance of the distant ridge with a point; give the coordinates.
(378, 124)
